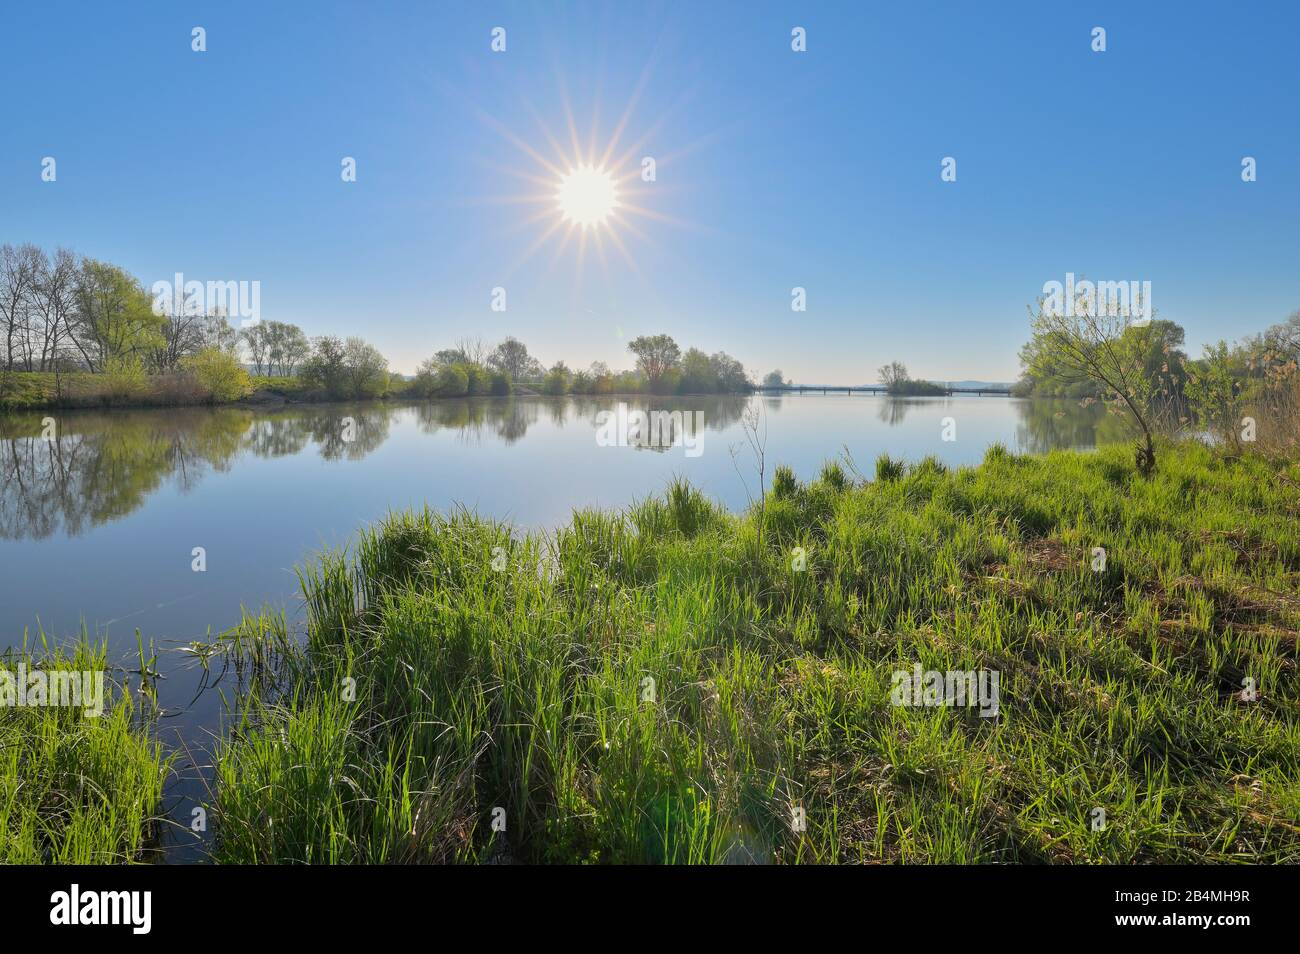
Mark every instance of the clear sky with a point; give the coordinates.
(774, 168)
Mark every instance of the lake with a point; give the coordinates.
(168, 521)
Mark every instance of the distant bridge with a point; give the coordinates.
(870, 389)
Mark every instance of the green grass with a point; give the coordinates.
(76, 789)
(34, 390)
(22, 390)
(662, 685)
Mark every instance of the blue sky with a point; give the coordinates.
(775, 169)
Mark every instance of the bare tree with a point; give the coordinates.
(289, 347)
(258, 341)
(473, 349)
(54, 302)
(220, 334)
(19, 268)
(893, 375)
(182, 336)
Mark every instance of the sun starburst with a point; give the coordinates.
(587, 196)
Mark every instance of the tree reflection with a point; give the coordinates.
(92, 467)
(893, 411)
(666, 421)
(97, 467)
(1048, 424)
(349, 432)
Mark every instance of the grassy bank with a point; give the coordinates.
(76, 788)
(675, 684)
(40, 390)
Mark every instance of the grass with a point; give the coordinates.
(34, 390)
(76, 789)
(677, 684)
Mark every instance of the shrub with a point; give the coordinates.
(219, 374)
(500, 385)
(124, 378)
(452, 381)
(477, 379)
(557, 380)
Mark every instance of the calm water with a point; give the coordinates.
(98, 525)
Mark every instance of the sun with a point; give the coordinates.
(587, 196)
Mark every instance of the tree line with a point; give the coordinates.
(471, 368)
(63, 313)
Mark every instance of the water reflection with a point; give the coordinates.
(97, 467)
(1049, 424)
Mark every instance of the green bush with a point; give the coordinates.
(452, 381)
(125, 379)
(219, 373)
(557, 380)
(478, 381)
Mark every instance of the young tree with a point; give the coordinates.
(1214, 390)
(364, 368)
(1114, 351)
(325, 367)
(656, 356)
